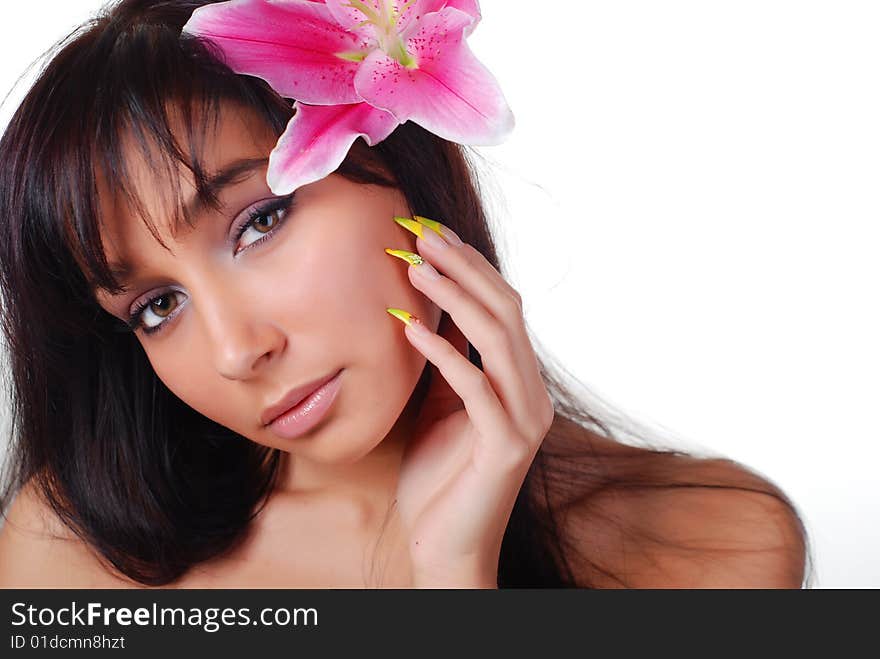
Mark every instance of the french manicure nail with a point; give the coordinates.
(422, 266)
(409, 257)
(432, 237)
(441, 229)
(407, 318)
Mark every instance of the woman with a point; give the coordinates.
(164, 307)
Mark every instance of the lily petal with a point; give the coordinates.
(450, 92)
(292, 45)
(317, 139)
(351, 17)
(416, 9)
(469, 7)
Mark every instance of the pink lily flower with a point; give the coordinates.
(358, 68)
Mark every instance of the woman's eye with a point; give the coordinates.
(161, 306)
(264, 221)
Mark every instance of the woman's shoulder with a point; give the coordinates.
(700, 523)
(37, 550)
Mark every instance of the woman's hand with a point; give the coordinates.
(477, 431)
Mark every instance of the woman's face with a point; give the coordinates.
(239, 322)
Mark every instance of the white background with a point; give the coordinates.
(690, 208)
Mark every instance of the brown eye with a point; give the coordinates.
(163, 305)
(263, 222)
(150, 317)
(267, 221)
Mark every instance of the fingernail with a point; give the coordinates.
(408, 319)
(432, 237)
(427, 270)
(441, 229)
(409, 257)
(422, 266)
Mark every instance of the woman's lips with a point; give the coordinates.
(306, 414)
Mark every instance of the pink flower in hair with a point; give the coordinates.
(358, 68)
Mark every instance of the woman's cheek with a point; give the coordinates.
(183, 376)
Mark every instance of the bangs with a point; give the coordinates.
(129, 86)
(112, 107)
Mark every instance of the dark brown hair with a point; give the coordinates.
(149, 482)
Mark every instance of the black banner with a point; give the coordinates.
(424, 622)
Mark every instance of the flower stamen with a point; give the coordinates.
(399, 12)
(372, 17)
(386, 30)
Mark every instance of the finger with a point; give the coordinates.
(451, 332)
(441, 399)
(479, 260)
(488, 335)
(484, 409)
(462, 262)
(470, 269)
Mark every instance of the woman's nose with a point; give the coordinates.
(242, 338)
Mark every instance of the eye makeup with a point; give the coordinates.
(276, 209)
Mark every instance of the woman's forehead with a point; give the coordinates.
(153, 195)
(155, 183)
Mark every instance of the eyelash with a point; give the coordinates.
(279, 204)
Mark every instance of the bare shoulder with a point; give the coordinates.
(709, 529)
(38, 551)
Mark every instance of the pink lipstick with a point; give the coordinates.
(308, 412)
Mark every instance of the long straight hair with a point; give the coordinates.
(151, 484)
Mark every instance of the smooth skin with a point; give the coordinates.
(242, 323)
(478, 430)
(396, 487)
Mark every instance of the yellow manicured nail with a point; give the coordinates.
(407, 318)
(404, 316)
(410, 225)
(431, 224)
(443, 231)
(409, 257)
(424, 268)
(434, 236)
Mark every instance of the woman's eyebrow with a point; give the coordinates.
(224, 177)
